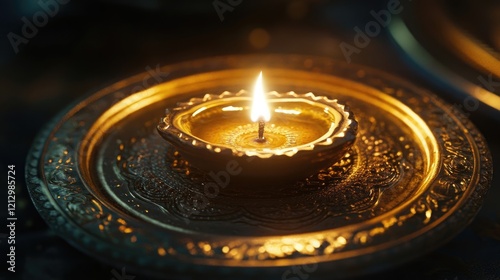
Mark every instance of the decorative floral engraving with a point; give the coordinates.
(158, 175)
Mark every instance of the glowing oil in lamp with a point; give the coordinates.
(294, 122)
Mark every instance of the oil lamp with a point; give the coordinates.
(295, 136)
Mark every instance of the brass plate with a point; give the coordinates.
(105, 181)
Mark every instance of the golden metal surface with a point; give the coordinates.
(415, 176)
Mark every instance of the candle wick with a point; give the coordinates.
(262, 124)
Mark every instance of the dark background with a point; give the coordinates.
(88, 45)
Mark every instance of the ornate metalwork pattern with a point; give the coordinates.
(105, 181)
(157, 175)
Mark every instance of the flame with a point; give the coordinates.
(260, 108)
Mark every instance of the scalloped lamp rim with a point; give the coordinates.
(344, 132)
